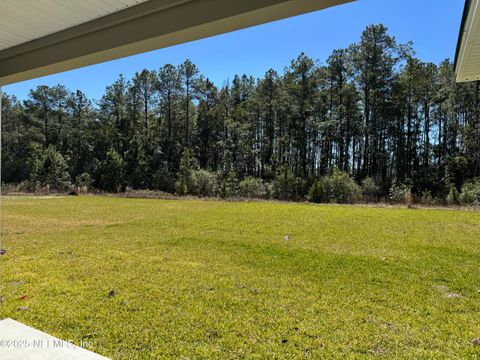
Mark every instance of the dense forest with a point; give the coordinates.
(372, 122)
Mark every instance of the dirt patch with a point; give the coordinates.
(445, 291)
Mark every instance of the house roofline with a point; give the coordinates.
(466, 10)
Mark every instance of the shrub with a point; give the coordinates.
(222, 190)
(427, 197)
(163, 179)
(49, 170)
(401, 193)
(203, 183)
(185, 174)
(458, 169)
(408, 198)
(112, 172)
(317, 194)
(470, 192)
(228, 185)
(83, 182)
(453, 197)
(181, 187)
(252, 188)
(13, 188)
(227, 176)
(370, 190)
(135, 164)
(285, 185)
(338, 188)
(268, 190)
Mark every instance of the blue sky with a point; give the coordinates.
(431, 24)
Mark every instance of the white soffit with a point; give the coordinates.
(42, 37)
(468, 53)
(22, 21)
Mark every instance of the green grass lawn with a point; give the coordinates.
(212, 279)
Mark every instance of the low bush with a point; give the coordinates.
(370, 190)
(49, 170)
(268, 190)
(336, 188)
(164, 180)
(453, 197)
(286, 186)
(11, 188)
(252, 187)
(188, 165)
(317, 193)
(83, 182)
(181, 187)
(401, 193)
(427, 198)
(470, 193)
(228, 185)
(203, 183)
(112, 172)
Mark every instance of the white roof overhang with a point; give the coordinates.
(42, 37)
(467, 59)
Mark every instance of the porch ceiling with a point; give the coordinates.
(42, 37)
(467, 59)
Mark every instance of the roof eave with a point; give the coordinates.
(148, 26)
(466, 10)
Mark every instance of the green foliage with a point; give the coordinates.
(453, 197)
(49, 169)
(181, 187)
(317, 192)
(136, 167)
(83, 182)
(457, 171)
(427, 197)
(336, 188)
(163, 179)
(227, 177)
(185, 175)
(228, 185)
(251, 187)
(470, 193)
(203, 183)
(269, 190)
(112, 172)
(285, 185)
(373, 110)
(401, 193)
(371, 191)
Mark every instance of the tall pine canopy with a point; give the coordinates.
(372, 111)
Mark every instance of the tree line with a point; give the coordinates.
(373, 114)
